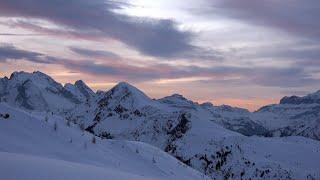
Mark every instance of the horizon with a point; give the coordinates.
(151, 97)
(239, 53)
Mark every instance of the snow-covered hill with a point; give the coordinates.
(34, 147)
(211, 139)
(293, 116)
(194, 134)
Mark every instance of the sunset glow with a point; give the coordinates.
(218, 51)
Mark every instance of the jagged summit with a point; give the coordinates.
(294, 115)
(177, 96)
(124, 87)
(127, 95)
(80, 90)
(123, 84)
(28, 74)
(174, 97)
(315, 94)
(84, 89)
(80, 83)
(36, 77)
(308, 99)
(36, 91)
(206, 104)
(177, 100)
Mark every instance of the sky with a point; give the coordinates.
(243, 53)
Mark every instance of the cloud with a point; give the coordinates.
(97, 18)
(282, 77)
(262, 76)
(15, 34)
(293, 53)
(111, 68)
(95, 53)
(294, 76)
(300, 18)
(9, 52)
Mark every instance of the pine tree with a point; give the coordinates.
(82, 127)
(55, 126)
(68, 123)
(93, 140)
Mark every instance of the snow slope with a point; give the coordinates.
(34, 147)
(293, 116)
(205, 137)
(189, 132)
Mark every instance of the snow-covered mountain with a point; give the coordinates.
(34, 147)
(211, 139)
(80, 90)
(236, 119)
(38, 92)
(195, 135)
(313, 98)
(293, 116)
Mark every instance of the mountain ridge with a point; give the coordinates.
(76, 94)
(219, 141)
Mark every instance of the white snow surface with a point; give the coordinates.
(30, 148)
(205, 137)
(193, 134)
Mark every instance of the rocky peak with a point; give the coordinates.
(125, 95)
(84, 89)
(313, 98)
(206, 105)
(128, 90)
(177, 100)
(38, 78)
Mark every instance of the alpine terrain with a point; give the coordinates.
(54, 131)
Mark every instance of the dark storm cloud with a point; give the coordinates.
(155, 37)
(300, 18)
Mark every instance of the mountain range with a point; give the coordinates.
(278, 141)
